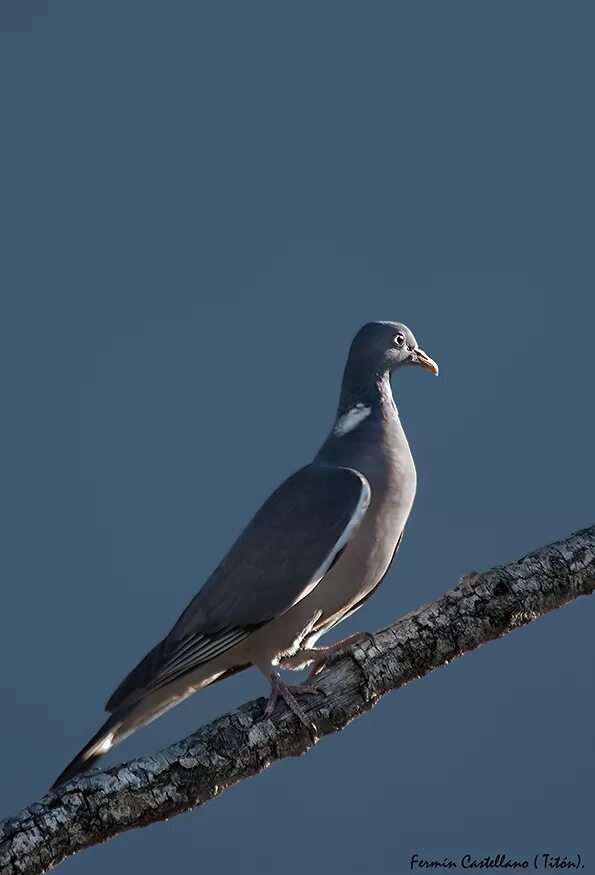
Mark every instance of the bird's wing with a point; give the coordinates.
(283, 553)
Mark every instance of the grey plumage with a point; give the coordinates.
(312, 554)
(276, 561)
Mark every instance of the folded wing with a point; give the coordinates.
(279, 558)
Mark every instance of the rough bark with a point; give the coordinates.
(480, 608)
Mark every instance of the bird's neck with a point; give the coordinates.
(373, 392)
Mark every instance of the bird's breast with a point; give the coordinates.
(390, 471)
(379, 450)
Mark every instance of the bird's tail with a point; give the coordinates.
(127, 719)
(109, 734)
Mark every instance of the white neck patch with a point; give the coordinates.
(351, 419)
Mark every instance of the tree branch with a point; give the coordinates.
(480, 608)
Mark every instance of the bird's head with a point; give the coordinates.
(382, 347)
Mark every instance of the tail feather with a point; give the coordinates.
(99, 745)
(127, 719)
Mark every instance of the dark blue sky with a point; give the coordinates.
(199, 205)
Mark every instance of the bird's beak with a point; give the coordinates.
(421, 358)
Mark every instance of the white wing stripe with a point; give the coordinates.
(356, 518)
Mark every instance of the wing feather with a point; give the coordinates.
(279, 558)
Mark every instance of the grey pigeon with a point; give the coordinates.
(311, 556)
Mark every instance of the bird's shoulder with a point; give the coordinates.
(286, 544)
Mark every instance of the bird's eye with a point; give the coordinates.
(399, 339)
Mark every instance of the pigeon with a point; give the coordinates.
(315, 551)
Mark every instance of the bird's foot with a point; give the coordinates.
(321, 656)
(286, 692)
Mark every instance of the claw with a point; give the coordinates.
(279, 689)
(321, 656)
